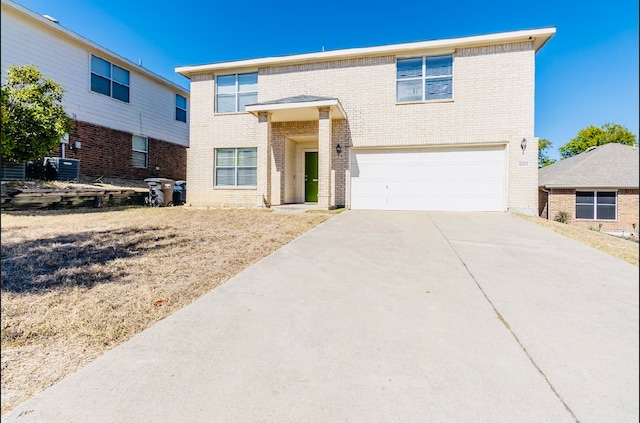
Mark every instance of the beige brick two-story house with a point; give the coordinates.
(433, 125)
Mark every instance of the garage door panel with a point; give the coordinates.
(453, 179)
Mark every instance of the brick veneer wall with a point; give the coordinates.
(628, 212)
(108, 152)
(493, 104)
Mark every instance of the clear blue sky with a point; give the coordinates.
(587, 74)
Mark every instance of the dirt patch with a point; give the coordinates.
(78, 283)
(622, 248)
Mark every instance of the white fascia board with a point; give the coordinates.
(539, 36)
(90, 45)
(589, 187)
(295, 105)
(283, 106)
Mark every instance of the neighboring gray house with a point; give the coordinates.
(129, 122)
(597, 188)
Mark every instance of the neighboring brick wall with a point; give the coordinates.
(108, 152)
(493, 104)
(628, 212)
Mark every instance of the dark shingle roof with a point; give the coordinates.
(607, 166)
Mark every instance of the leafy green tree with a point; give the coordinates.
(33, 120)
(593, 136)
(543, 159)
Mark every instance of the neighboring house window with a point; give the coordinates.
(234, 92)
(109, 79)
(595, 205)
(236, 167)
(181, 108)
(424, 78)
(140, 151)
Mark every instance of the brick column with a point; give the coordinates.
(264, 160)
(324, 158)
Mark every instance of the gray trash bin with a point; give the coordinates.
(160, 192)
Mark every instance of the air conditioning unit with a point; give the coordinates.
(67, 169)
(12, 171)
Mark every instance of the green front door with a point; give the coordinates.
(311, 177)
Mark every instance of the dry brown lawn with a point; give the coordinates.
(625, 249)
(78, 283)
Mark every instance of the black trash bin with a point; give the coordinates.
(179, 193)
(160, 192)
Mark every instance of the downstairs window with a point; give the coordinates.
(236, 167)
(596, 205)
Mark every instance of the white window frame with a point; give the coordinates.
(178, 107)
(424, 78)
(595, 205)
(111, 79)
(236, 92)
(235, 166)
(146, 153)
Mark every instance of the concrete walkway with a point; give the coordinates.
(384, 317)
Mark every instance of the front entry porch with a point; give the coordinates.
(296, 151)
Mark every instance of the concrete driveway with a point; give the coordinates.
(384, 317)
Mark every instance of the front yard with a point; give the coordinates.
(78, 283)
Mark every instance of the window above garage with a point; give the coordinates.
(424, 79)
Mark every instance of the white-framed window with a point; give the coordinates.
(424, 78)
(109, 79)
(236, 167)
(596, 205)
(181, 108)
(140, 153)
(234, 92)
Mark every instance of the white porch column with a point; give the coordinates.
(264, 160)
(324, 158)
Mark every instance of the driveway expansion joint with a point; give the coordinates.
(506, 324)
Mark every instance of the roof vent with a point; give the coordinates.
(591, 148)
(51, 18)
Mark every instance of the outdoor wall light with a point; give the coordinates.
(338, 149)
(523, 145)
(157, 168)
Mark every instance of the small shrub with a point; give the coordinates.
(562, 217)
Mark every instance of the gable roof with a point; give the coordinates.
(444, 46)
(298, 108)
(607, 166)
(303, 98)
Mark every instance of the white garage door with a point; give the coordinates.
(470, 179)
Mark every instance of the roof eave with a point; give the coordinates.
(86, 42)
(539, 37)
(565, 186)
(337, 112)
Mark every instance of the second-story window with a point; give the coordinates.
(109, 79)
(181, 108)
(424, 78)
(234, 92)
